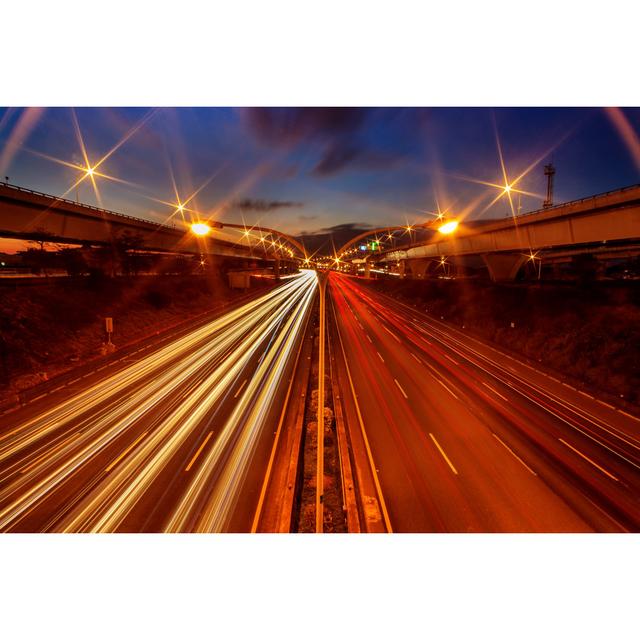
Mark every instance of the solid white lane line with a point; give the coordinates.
(379, 356)
(124, 453)
(494, 391)
(515, 455)
(401, 389)
(447, 388)
(444, 455)
(237, 393)
(595, 464)
(199, 451)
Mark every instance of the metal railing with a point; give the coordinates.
(579, 200)
(84, 206)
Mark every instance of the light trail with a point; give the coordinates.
(500, 412)
(149, 396)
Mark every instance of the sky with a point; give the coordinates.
(313, 170)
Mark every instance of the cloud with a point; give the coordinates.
(307, 218)
(285, 126)
(331, 238)
(335, 133)
(256, 204)
(339, 156)
(349, 227)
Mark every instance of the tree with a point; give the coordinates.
(585, 266)
(126, 246)
(39, 256)
(73, 261)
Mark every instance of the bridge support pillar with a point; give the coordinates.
(276, 269)
(402, 267)
(503, 267)
(367, 270)
(421, 268)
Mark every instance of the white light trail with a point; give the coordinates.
(151, 393)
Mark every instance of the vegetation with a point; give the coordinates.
(49, 327)
(588, 332)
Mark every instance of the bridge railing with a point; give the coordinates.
(580, 200)
(85, 206)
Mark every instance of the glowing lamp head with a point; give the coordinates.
(448, 227)
(90, 171)
(200, 228)
(507, 188)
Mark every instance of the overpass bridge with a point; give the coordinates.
(606, 224)
(28, 214)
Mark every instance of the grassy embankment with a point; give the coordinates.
(590, 333)
(47, 329)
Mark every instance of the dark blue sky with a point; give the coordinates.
(309, 169)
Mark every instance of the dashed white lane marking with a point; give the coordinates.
(447, 388)
(515, 455)
(124, 453)
(595, 464)
(452, 360)
(416, 358)
(237, 393)
(197, 453)
(444, 455)
(401, 389)
(393, 335)
(379, 356)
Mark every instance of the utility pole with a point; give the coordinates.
(549, 171)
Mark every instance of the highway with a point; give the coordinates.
(173, 439)
(465, 438)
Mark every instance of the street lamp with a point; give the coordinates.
(200, 228)
(448, 227)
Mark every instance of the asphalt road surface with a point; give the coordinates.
(466, 438)
(174, 439)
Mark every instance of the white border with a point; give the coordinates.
(319, 53)
(334, 52)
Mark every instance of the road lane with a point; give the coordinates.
(501, 431)
(112, 455)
